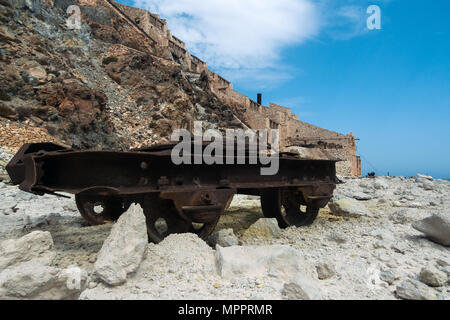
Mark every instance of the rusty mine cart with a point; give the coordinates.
(186, 198)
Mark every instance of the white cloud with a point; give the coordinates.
(243, 40)
(238, 34)
(346, 22)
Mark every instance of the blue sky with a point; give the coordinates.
(390, 87)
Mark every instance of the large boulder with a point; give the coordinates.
(36, 246)
(123, 250)
(31, 280)
(433, 277)
(26, 271)
(263, 228)
(182, 266)
(301, 287)
(278, 261)
(294, 276)
(435, 228)
(347, 207)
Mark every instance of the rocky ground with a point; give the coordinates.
(364, 245)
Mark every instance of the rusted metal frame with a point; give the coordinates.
(197, 193)
(139, 172)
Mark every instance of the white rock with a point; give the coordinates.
(366, 184)
(240, 202)
(443, 262)
(380, 185)
(436, 228)
(348, 208)
(280, 261)
(123, 250)
(414, 290)
(7, 204)
(424, 177)
(223, 238)
(387, 276)
(301, 287)
(382, 234)
(433, 277)
(35, 246)
(337, 237)
(446, 270)
(427, 185)
(263, 228)
(399, 247)
(401, 217)
(381, 245)
(25, 196)
(32, 280)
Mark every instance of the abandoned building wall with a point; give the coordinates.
(256, 120)
(154, 27)
(198, 65)
(238, 98)
(340, 145)
(298, 133)
(157, 29)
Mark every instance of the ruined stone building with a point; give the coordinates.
(293, 132)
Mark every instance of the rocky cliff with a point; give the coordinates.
(104, 86)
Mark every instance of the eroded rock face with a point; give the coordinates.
(105, 86)
(124, 249)
(436, 228)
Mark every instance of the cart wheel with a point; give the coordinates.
(163, 219)
(98, 210)
(286, 206)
